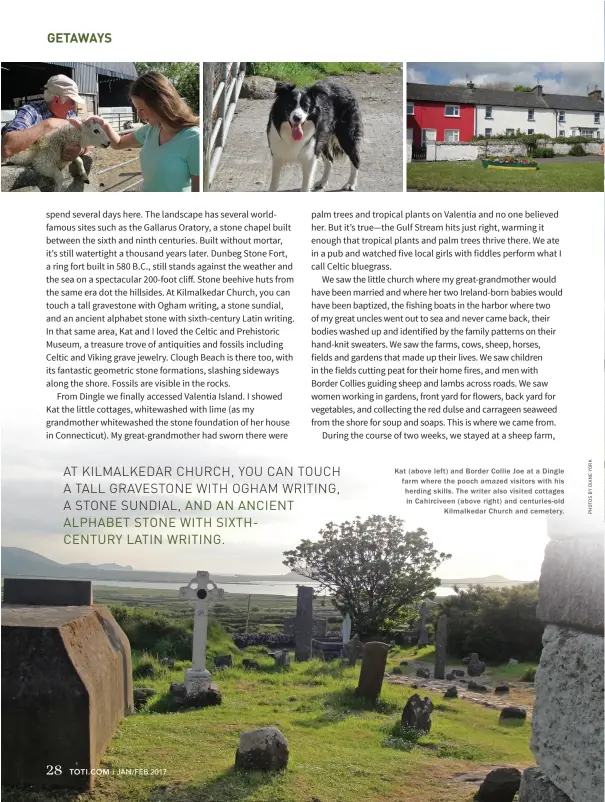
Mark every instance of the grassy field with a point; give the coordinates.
(303, 73)
(267, 612)
(340, 748)
(553, 176)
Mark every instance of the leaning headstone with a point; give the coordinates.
(423, 635)
(451, 692)
(502, 689)
(66, 685)
(372, 670)
(417, 713)
(475, 667)
(440, 647)
(223, 661)
(457, 672)
(450, 676)
(476, 686)
(425, 673)
(304, 624)
(353, 650)
(500, 785)
(262, 750)
(251, 665)
(282, 658)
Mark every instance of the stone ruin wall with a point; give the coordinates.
(567, 724)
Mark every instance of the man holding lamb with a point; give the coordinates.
(39, 118)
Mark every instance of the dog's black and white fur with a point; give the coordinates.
(329, 117)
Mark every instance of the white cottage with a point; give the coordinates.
(505, 112)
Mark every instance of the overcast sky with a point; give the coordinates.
(564, 78)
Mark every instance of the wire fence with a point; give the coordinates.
(222, 83)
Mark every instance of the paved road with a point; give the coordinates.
(246, 163)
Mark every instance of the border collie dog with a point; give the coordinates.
(306, 125)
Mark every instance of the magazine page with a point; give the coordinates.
(302, 427)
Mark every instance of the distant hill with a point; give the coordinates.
(102, 566)
(22, 562)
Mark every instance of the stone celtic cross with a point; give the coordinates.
(201, 589)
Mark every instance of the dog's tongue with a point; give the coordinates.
(297, 132)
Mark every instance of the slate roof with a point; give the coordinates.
(501, 97)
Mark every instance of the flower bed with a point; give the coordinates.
(510, 163)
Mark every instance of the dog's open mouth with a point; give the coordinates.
(297, 131)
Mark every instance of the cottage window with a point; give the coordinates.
(410, 134)
(587, 132)
(452, 111)
(428, 135)
(488, 132)
(597, 118)
(452, 135)
(489, 113)
(562, 132)
(561, 117)
(530, 115)
(531, 130)
(510, 132)
(410, 107)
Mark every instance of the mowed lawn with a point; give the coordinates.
(552, 176)
(340, 748)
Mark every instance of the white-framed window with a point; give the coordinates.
(510, 132)
(530, 115)
(597, 118)
(409, 134)
(452, 111)
(561, 117)
(531, 130)
(587, 132)
(562, 132)
(452, 135)
(488, 132)
(429, 135)
(410, 107)
(489, 113)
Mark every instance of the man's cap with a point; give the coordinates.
(62, 86)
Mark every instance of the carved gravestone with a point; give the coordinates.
(417, 713)
(440, 647)
(423, 635)
(304, 624)
(66, 684)
(353, 650)
(475, 667)
(372, 670)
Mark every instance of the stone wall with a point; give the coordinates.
(567, 724)
(470, 151)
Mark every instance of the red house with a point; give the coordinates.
(439, 114)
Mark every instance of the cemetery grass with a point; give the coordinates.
(473, 177)
(340, 747)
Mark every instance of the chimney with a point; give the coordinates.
(596, 94)
(537, 90)
(470, 85)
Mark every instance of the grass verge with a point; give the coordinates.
(473, 177)
(303, 73)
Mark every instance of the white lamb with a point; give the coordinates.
(46, 154)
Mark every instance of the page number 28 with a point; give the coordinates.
(54, 770)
